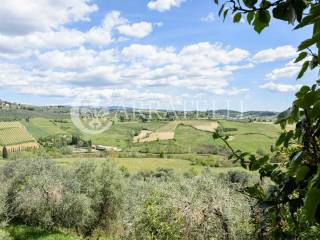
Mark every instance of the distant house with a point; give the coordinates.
(15, 137)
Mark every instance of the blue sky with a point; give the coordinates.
(173, 54)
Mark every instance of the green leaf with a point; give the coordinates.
(261, 20)
(250, 3)
(307, 20)
(281, 139)
(287, 139)
(315, 113)
(301, 173)
(237, 17)
(299, 7)
(314, 62)
(312, 203)
(301, 56)
(303, 90)
(255, 191)
(281, 11)
(250, 17)
(309, 42)
(215, 135)
(292, 14)
(303, 69)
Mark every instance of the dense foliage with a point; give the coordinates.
(202, 207)
(37, 192)
(92, 200)
(291, 204)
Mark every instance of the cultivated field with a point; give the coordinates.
(179, 137)
(167, 132)
(12, 133)
(15, 137)
(42, 127)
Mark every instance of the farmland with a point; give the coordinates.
(14, 135)
(187, 137)
(191, 144)
(42, 127)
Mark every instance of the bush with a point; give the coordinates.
(239, 177)
(3, 204)
(42, 194)
(193, 208)
(164, 173)
(4, 235)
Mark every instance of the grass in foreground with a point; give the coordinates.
(35, 233)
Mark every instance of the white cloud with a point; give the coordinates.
(202, 67)
(17, 18)
(274, 54)
(138, 30)
(164, 5)
(45, 56)
(288, 71)
(281, 87)
(64, 38)
(209, 18)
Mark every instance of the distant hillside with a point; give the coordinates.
(248, 114)
(16, 111)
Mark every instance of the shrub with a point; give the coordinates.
(186, 208)
(42, 194)
(238, 177)
(4, 235)
(124, 171)
(3, 204)
(164, 173)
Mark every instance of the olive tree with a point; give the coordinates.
(85, 198)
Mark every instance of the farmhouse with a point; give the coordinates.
(15, 137)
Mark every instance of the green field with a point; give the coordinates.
(251, 136)
(245, 136)
(42, 127)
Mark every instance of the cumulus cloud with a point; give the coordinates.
(289, 70)
(46, 54)
(164, 5)
(203, 67)
(17, 18)
(274, 54)
(64, 38)
(281, 87)
(209, 18)
(138, 30)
